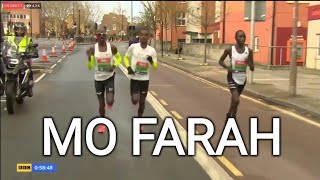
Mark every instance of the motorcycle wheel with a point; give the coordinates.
(10, 97)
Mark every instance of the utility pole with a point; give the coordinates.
(79, 30)
(131, 18)
(31, 22)
(131, 11)
(73, 18)
(293, 60)
(121, 25)
(253, 15)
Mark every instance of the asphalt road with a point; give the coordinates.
(184, 96)
(68, 92)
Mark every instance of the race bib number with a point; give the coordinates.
(240, 66)
(104, 64)
(142, 67)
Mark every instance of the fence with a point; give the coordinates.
(306, 56)
(84, 40)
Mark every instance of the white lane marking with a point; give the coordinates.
(296, 116)
(5, 109)
(53, 66)
(3, 100)
(39, 78)
(211, 167)
(60, 60)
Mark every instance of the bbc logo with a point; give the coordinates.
(24, 167)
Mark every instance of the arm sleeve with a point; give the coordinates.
(155, 60)
(128, 56)
(118, 59)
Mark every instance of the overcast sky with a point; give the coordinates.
(108, 6)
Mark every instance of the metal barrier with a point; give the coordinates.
(282, 54)
(84, 40)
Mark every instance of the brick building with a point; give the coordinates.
(270, 43)
(313, 52)
(116, 24)
(16, 12)
(171, 35)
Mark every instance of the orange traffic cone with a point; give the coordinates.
(63, 49)
(44, 55)
(53, 52)
(70, 46)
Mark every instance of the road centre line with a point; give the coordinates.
(153, 93)
(39, 78)
(210, 166)
(53, 66)
(163, 102)
(177, 115)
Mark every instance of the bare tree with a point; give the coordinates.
(165, 17)
(204, 18)
(148, 17)
(175, 10)
(55, 13)
(120, 20)
(90, 14)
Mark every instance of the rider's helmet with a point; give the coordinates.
(20, 29)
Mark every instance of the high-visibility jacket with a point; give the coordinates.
(23, 44)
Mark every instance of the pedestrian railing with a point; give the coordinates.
(281, 55)
(84, 40)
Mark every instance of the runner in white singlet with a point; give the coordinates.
(241, 57)
(103, 59)
(141, 56)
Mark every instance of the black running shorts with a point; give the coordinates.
(233, 85)
(137, 86)
(106, 86)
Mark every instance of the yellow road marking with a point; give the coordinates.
(153, 93)
(177, 115)
(163, 102)
(298, 117)
(230, 166)
(213, 169)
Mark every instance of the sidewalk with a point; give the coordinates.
(269, 85)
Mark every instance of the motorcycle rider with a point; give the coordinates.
(19, 42)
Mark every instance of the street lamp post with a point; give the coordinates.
(293, 61)
(253, 8)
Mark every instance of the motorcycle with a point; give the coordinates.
(16, 89)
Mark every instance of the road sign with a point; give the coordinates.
(32, 5)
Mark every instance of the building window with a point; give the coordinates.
(256, 44)
(181, 19)
(260, 14)
(21, 16)
(114, 27)
(24, 16)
